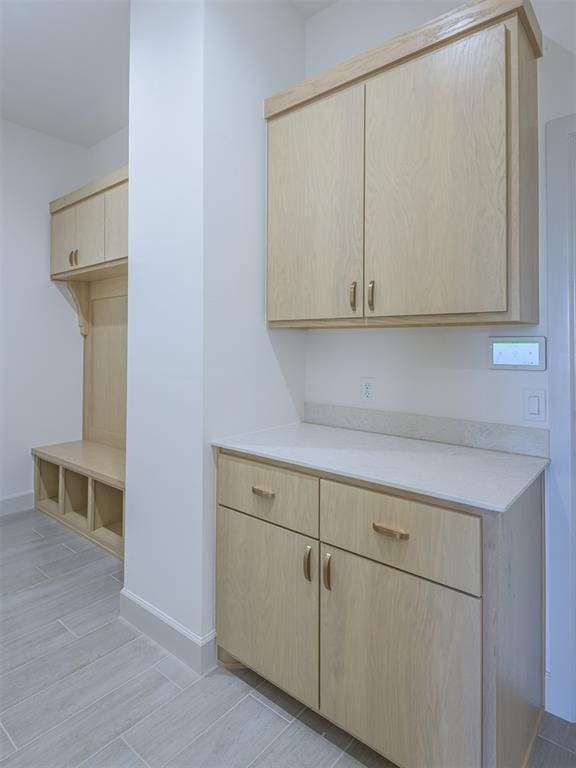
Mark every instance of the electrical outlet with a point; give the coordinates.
(367, 388)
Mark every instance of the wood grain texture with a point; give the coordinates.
(443, 29)
(436, 208)
(387, 631)
(109, 516)
(89, 231)
(105, 364)
(444, 546)
(76, 499)
(93, 459)
(266, 610)
(315, 209)
(63, 240)
(94, 272)
(295, 503)
(93, 188)
(116, 218)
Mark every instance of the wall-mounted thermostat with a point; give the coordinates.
(524, 353)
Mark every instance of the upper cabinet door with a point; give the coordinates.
(436, 182)
(63, 240)
(116, 216)
(90, 231)
(316, 210)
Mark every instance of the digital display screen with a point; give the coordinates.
(524, 353)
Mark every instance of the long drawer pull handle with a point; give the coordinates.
(264, 492)
(392, 533)
(307, 561)
(326, 575)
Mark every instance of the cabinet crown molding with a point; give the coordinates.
(119, 176)
(441, 30)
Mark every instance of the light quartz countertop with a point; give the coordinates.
(485, 480)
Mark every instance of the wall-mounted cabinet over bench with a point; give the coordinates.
(82, 483)
(403, 183)
(90, 229)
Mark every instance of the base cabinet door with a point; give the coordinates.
(267, 606)
(400, 662)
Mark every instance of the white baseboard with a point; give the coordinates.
(19, 503)
(198, 652)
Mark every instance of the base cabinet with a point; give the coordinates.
(267, 610)
(414, 626)
(401, 663)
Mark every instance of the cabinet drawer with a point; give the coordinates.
(276, 495)
(441, 545)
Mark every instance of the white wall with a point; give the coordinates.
(200, 360)
(109, 154)
(164, 482)
(41, 346)
(254, 378)
(442, 372)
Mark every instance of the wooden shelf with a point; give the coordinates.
(101, 271)
(101, 462)
(82, 485)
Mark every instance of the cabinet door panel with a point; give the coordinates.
(401, 663)
(436, 181)
(315, 209)
(116, 216)
(63, 239)
(266, 610)
(90, 230)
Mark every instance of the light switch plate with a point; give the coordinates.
(535, 405)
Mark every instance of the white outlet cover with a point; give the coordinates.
(367, 388)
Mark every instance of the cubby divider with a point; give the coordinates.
(76, 498)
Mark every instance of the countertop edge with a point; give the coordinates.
(223, 444)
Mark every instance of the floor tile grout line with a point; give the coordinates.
(69, 548)
(273, 710)
(60, 621)
(112, 690)
(56, 682)
(342, 753)
(131, 748)
(32, 610)
(38, 534)
(288, 725)
(212, 724)
(182, 687)
(9, 737)
(556, 744)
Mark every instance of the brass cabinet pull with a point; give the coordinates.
(307, 561)
(353, 295)
(76, 257)
(71, 258)
(326, 577)
(392, 533)
(371, 295)
(264, 492)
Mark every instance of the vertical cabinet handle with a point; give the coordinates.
(353, 295)
(71, 258)
(371, 295)
(307, 563)
(76, 257)
(326, 576)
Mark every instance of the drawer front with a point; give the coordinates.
(276, 495)
(435, 543)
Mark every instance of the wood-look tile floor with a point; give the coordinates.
(81, 687)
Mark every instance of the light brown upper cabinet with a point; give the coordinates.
(90, 227)
(316, 210)
(440, 126)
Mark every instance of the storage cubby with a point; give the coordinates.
(48, 486)
(76, 498)
(109, 515)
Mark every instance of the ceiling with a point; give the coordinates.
(64, 66)
(64, 63)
